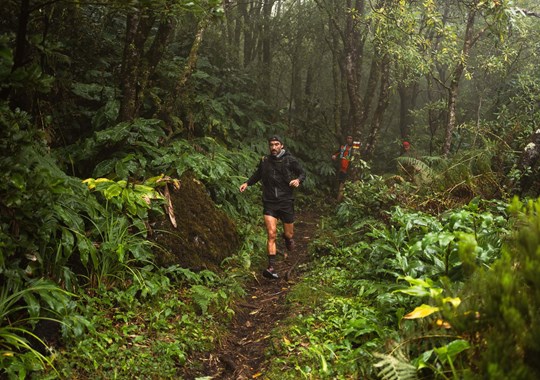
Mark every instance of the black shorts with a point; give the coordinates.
(283, 210)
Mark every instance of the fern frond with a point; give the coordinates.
(421, 170)
(202, 296)
(395, 368)
(435, 162)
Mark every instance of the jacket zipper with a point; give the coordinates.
(275, 187)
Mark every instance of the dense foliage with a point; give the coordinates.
(417, 296)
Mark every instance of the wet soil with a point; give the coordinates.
(241, 354)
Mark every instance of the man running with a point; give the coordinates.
(279, 173)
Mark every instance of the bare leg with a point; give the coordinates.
(271, 231)
(288, 230)
(288, 234)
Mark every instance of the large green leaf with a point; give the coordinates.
(449, 352)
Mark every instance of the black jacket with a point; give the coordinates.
(275, 175)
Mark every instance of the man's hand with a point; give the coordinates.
(243, 187)
(294, 183)
(334, 156)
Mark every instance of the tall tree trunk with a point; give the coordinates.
(337, 82)
(295, 96)
(152, 58)
(139, 66)
(266, 67)
(407, 102)
(193, 56)
(334, 43)
(309, 104)
(248, 16)
(371, 89)
(382, 104)
(238, 27)
(351, 44)
(20, 54)
(230, 24)
(453, 89)
(347, 114)
(128, 75)
(345, 119)
(434, 115)
(179, 90)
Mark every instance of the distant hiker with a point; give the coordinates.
(405, 167)
(279, 173)
(406, 146)
(344, 154)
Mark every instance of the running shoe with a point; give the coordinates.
(270, 274)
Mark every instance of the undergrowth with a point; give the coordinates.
(387, 296)
(138, 332)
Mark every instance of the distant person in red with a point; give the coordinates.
(344, 154)
(405, 167)
(406, 146)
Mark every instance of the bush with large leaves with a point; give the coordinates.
(42, 208)
(503, 303)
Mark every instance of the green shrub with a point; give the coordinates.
(369, 197)
(503, 302)
(21, 308)
(437, 254)
(150, 328)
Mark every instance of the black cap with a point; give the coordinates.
(275, 138)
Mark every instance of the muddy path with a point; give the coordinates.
(242, 353)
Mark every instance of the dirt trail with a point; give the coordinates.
(241, 356)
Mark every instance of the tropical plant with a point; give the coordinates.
(332, 340)
(43, 209)
(419, 244)
(131, 335)
(131, 198)
(395, 367)
(463, 176)
(368, 197)
(436, 254)
(150, 325)
(21, 309)
(499, 309)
